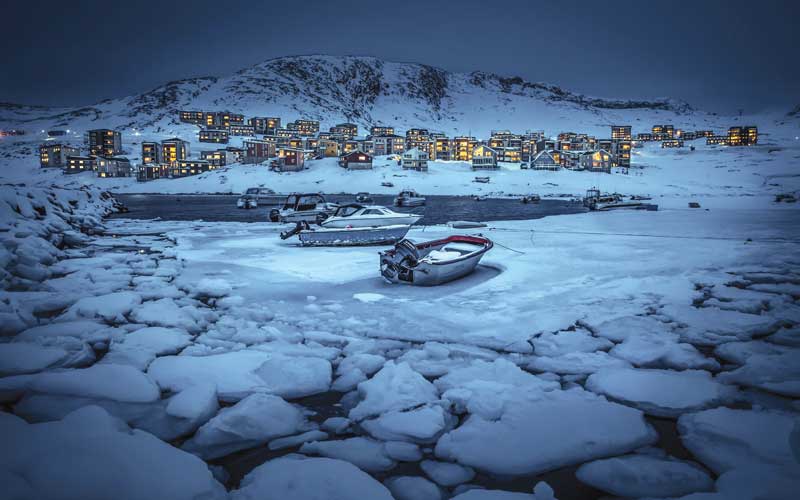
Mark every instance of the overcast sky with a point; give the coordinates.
(717, 55)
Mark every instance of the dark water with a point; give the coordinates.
(439, 209)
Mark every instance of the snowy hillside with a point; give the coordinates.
(363, 90)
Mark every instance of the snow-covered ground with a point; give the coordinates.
(644, 355)
(714, 176)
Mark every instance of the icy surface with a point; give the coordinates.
(91, 455)
(238, 374)
(724, 439)
(527, 439)
(252, 421)
(309, 479)
(395, 387)
(636, 476)
(664, 393)
(365, 453)
(674, 313)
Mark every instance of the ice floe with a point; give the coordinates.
(663, 393)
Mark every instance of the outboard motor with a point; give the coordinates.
(297, 228)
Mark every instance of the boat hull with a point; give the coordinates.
(343, 222)
(625, 206)
(385, 235)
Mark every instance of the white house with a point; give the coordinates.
(414, 159)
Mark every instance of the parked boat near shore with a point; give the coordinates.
(409, 198)
(433, 262)
(303, 207)
(352, 236)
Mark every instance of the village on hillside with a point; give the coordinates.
(286, 148)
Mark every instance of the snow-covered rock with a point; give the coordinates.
(102, 381)
(252, 421)
(111, 307)
(308, 479)
(576, 363)
(447, 473)
(238, 374)
(421, 424)
(21, 357)
(564, 342)
(635, 476)
(413, 488)
(90, 455)
(141, 347)
(367, 454)
(395, 387)
(559, 429)
(724, 439)
(663, 393)
(778, 373)
(485, 389)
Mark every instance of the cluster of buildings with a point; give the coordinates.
(267, 138)
(102, 155)
(671, 137)
(286, 147)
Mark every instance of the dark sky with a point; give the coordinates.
(717, 55)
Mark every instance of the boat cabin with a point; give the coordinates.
(299, 202)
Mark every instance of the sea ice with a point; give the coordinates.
(663, 393)
(252, 421)
(635, 476)
(309, 479)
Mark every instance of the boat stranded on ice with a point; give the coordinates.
(433, 262)
(349, 236)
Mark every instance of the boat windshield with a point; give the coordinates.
(290, 202)
(251, 191)
(347, 210)
(309, 202)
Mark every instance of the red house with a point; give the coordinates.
(356, 160)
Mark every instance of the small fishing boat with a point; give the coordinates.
(482, 180)
(638, 197)
(355, 215)
(409, 198)
(480, 197)
(378, 235)
(433, 262)
(247, 201)
(387, 184)
(303, 207)
(363, 198)
(531, 198)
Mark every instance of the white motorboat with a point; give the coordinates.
(433, 262)
(247, 201)
(355, 215)
(355, 236)
(310, 207)
(409, 198)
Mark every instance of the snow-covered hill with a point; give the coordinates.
(363, 90)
